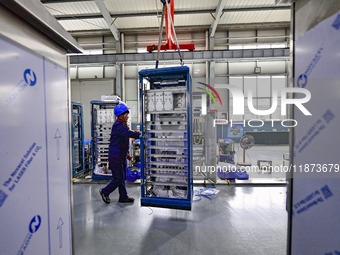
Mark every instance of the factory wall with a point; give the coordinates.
(91, 81)
(89, 89)
(225, 39)
(86, 91)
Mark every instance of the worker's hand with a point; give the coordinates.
(128, 157)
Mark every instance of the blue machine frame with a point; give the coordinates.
(78, 157)
(166, 168)
(102, 119)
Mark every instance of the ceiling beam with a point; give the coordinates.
(217, 16)
(180, 29)
(189, 56)
(184, 12)
(107, 16)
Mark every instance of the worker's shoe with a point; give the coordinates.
(126, 200)
(105, 198)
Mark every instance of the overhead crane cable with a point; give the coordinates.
(173, 28)
(160, 36)
(156, 1)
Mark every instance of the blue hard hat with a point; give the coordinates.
(121, 108)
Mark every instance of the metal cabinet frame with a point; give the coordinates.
(77, 129)
(100, 137)
(158, 168)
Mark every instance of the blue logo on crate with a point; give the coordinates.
(328, 116)
(326, 192)
(302, 81)
(336, 23)
(33, 227)
(30, 77)
(3, 197)
(35, 224)
(303, 78)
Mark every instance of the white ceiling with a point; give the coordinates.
(144, 15)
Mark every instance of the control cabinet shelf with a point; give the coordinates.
(166, 142)
(166, 170)
(169, 139)
(166, 131)
(167, 112)
(173, 89)
(166, 122)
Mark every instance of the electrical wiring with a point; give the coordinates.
(197, 126)
(199, 131)
(205, 192)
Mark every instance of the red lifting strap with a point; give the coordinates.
(170, 38)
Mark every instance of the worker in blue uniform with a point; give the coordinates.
(118, 153)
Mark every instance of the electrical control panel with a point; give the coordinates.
(166, 143)
(102, 113)
(104, 116)
(78, 156)
(165, 101)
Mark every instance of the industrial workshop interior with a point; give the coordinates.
(217, 117)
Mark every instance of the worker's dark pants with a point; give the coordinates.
(118, 168)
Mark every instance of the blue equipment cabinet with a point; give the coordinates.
(166, 142)
(78, 160)
(102, 119)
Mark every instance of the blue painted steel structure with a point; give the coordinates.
(78, 157)
(166, 142)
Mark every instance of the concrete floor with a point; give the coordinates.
(238, 220)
